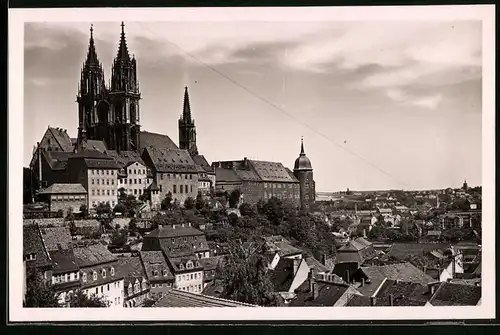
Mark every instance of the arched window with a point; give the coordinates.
(94, 275)
(112, 271)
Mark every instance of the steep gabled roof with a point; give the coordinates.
(405, 272)
(154, 140)
(450, 294)
(226, 175)
(33, 244)
(171, 160)
(93, 255)
(62, 138)
(56, 238)
(155, 261)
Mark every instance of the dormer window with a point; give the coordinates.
(189, 265)
(84, 277)
(94, 275)
(155, 273)
(112, 272)
(181, 266)
(197, 264)
(103, 273)
(165, 273)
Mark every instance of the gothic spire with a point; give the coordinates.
(123, 54)
(91, 54)
(186, 112)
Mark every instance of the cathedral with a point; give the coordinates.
(109, 114)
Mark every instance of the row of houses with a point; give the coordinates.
(174, 257)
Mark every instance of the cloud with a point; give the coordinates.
(403, 96)
(430, 102)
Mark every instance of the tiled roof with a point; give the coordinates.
(57, 160)
(91, 154)
(226, 175)
(93, 163)
(313, 263)
(68, 188)
(56, 238)
(170, 231)
(87, 223)
(148, 139)
(247, 175)
(210, 263)
(125, 158)
(44, 222)
(175, 263)
(281, 245)
(63, 261)
(328, 294)
(155, 261)
(271, 171)
(201, 161)
(292, 176)
(449, 294)
(403, 294)
(130, 268)
(101, 278)
(357, 300)
(405, 272)
(171, 160)
(282, 275)
(62, 138)
(96, 145)
(93, 254)
(177, 298)
(402, 250)
(33, 244)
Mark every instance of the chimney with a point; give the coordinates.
(348, 279)
(391, 300)
(315, 291)
(245, 162)
(425, 269)
(173, 226)
(323, 259)
(373, 301)
(310, 277)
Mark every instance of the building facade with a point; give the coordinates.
(98, 274)
(134, 179)
(66, 197)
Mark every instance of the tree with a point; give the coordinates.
(244, 277)
(80, 299)
(247, 209)
(72, 228)
(233, 219)
(39, 293)
(200, 203)
(84, 210)
(103, 209)
(274, 210)
(234, 198)
(119, 238)
(166, 203)
(132, 226)
(119, 208)
(189, 203)
(60, 213)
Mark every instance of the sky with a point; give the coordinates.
(380, 104)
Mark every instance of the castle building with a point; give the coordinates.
(304, 173)
(263, 180)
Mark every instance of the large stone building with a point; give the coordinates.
(263, 180)
(66, 197)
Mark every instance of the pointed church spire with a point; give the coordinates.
(302, 152)
(186, 112)
(91, 54)
(123, 54)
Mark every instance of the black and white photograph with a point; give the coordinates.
(334, 165)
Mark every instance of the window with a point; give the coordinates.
(108, 287)
(107, 172)
(181, 266)
(98, 192)
(107, 181)
(92, 171)
(97, 181)
(65, 277)
(175, 188)
(191, 276)
(94, 275)
(140, 181)
(113, 192)
(135, 191)
(130, 181)
(161, 176)
(186, 176)
(92, 181)
(165, 273)
(153, 285)
(96, 290)
(186, 187)
(155, 273)
(93, 191)
(103, 273)
(108, 192)
(190, 176)
(112, 271)
(135, 171)
(124, 181)
(161, 189)
(112, 172)
(135, 181)
(181, 188)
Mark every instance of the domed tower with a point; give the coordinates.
(304, 173)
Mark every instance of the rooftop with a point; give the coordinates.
(56, 238)
(173, 231)
(33, 244)
(451, 294)
(177, 298)
(405, 272)
(93, 254)
(69, 188)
